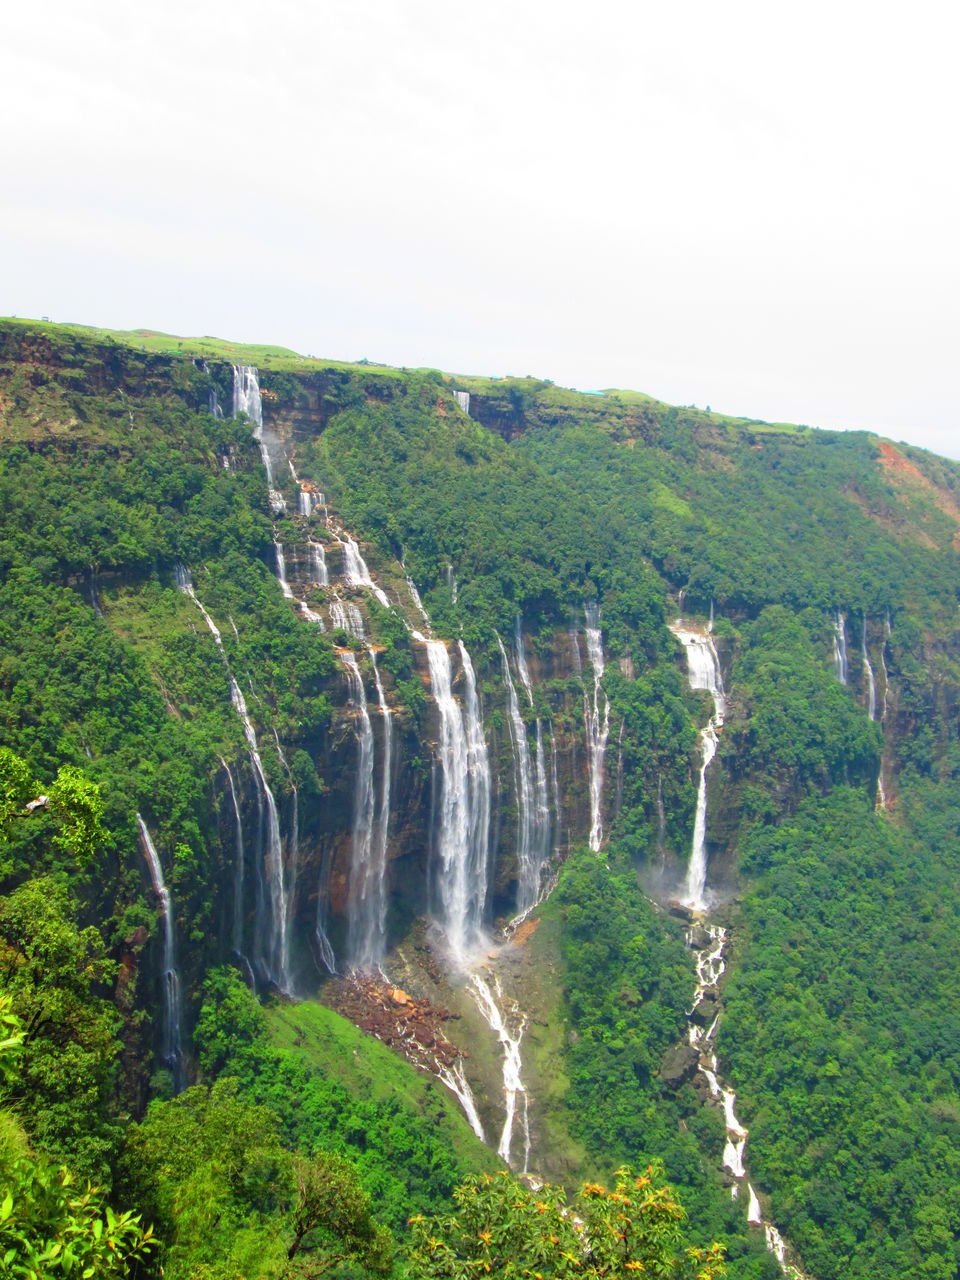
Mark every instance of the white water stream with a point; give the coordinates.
(246, 400)
(868, 671)
(172, 1035)
(367, 904)
(710, 968)
(272, 951)
(840, 647)
(597, 724)
(704, 674)
(355, 571)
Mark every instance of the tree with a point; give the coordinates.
(332, 1221)
(49, 1224)
(504, 1229)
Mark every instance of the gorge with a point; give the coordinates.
(435, 711)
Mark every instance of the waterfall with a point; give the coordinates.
(305, 503)
(533, 808)
(840, 647)
(246, 400)
(345, 616)
(355, 571)
(513, 1087)
(282, 570)
(381, 830)
(881, 788)
(238, 867)
(272, 954)
(871, 683)
(597, 726)
(417, 602)
(456, 1082)
(710, 967)
(463, 400)
(704, 674)
(318, 558)
(463, 834)
(213, 397)
(883, 665)
(172, 1041)
(362, 910)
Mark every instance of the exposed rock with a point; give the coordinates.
(412, 1027)
(706, 1010)
(679, 1065)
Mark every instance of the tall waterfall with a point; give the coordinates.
(238, 871)
(172, 1041)
(871, 683)
(704, 673)
(318, 560)
(533, 807)
(305, 503)
(361, 909)
(464, 820)
(381, 830)
(840, 647)
(246, 400)
(282, 570)
(271, 942)
(597, 724)
(463, 400)
(355, 571)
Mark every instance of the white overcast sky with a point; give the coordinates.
(747, 204)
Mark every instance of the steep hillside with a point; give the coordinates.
(596, 756)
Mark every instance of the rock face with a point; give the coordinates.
(679, 1066)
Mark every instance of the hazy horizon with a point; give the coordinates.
(743, 208)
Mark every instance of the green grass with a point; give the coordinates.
(282, 359)
(331, 1045)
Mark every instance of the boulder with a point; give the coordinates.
(679, 1065)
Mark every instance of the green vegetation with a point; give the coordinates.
(304, 1145)
(502, 1229)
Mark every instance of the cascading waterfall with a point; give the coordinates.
(246, 400)
(272, 954)
(238, 873)
(523, 788)
(543, 817)
(710, 968)
(172, 1040)
(704, 674)
(597, 724)
(417, 602)
(840, 647)
(345, 615)
(533, 806)
(318, 560)
(513, 1086)
(463, 400)
(305, 503)
(381, 831)
(881, 787)
(361, 909)
(355, 571)
(871, 683)
(282, 570)
(464, 827)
